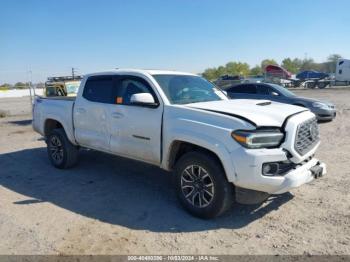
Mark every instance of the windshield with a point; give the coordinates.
(284, 91)
(186, 89)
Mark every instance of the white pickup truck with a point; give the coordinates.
(219, 150)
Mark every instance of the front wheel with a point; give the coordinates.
(201, 185)
(62, 153)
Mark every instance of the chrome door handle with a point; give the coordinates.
(117, 115)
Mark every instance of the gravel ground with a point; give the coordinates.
(111, 205)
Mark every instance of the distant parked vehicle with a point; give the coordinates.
(62, 86)
(254, 79)
(312, 79)
(342, 72)
(228, 80)
(324, 111)
(229, 77)
(311, 74)
(277, 71)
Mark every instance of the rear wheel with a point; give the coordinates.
(321, 85)
(62, 153)
(201, 185)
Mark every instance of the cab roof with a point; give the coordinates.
(141, 71)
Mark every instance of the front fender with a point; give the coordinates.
(201, 140)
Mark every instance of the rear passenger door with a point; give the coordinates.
(92, 113)
(136, 130)
(244, 91)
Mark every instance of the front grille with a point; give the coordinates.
(307, 136)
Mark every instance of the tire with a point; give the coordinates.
(311, 85)
(61, 152)
(321, 85)
(196, 195)
(297, 84)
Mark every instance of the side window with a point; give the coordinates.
(243, 89)
(128, 86)
(99, 89)
(264, 90)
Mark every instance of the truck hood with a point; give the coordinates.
(257, 112)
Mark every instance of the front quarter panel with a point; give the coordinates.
(205, 129)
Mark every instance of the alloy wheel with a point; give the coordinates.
(197, 186)
(56, 149)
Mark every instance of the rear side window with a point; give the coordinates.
(264, 90)
(243, 89)
(99, 89)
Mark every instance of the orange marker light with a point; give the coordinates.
(238, 138)
(119, 100)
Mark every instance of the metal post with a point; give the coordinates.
(32, 95)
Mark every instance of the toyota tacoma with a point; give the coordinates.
(219, 150)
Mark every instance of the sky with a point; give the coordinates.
(49, 37)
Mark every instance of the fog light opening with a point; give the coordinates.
(270, 169)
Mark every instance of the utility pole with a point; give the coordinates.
(74, 70)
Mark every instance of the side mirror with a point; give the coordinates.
(225, 92)
(143, 99)
(274, 93)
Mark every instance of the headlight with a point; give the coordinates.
(258, 138)
(320, 105)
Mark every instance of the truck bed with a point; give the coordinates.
(59, 108)
(68, 98)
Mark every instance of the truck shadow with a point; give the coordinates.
(26, 122)
(115, 190)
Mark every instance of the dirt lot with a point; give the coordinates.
(110, 205)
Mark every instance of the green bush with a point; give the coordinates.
(3, 113)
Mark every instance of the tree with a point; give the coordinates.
(237, 68)
(290, 65)
(334, 57)
(256, 70)
(308, 64)
(5, 86)
(267, 62)
(210, 73)
(332, 62)
(21, 85)
(221, 71)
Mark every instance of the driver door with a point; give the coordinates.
(135, 129)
